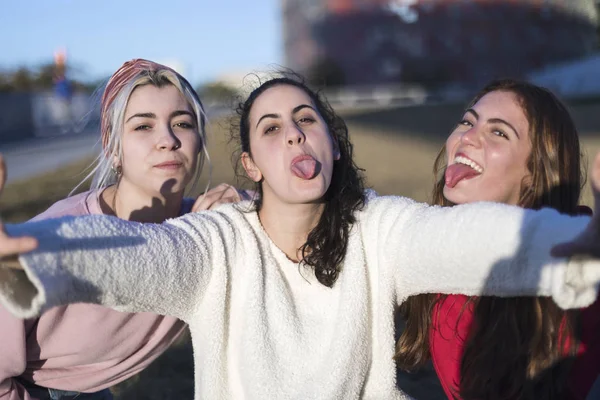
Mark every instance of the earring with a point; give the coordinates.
(118, 170)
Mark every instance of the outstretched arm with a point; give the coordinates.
(11, 247)
(129, 266)
(125, 265)
(487, 248)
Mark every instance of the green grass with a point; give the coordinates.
(24, 199)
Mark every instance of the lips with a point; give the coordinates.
(304, 167)
(169, 165)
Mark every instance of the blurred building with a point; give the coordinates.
(434, 41)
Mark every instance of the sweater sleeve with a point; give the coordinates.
(133, 267)
(481, 249)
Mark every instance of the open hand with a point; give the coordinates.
(216, 196)
(588, 242)
(11, 247)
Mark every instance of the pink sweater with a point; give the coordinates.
(79, 347)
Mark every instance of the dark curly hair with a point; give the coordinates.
(326, 245)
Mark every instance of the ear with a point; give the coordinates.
(336, 150)
(251, 169)
(116, 162)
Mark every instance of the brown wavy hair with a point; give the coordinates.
(516, 346)
(326, 244)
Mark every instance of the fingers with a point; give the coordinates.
(224, 200)
(12, 247)
(216, 196)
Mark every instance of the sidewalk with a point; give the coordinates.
(36, 156)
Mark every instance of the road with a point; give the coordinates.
(36, 156)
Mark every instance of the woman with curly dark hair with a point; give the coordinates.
(292, 296)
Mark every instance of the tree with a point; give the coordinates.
(45, 76)
(5, 85)
(21, 80)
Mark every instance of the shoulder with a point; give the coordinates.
(229, 226)
(73, 205)
(375, 204)
(235, 215)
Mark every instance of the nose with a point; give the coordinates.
(167, 140)
(472, 136)
(294, 135)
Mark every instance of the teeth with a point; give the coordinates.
(470, 163)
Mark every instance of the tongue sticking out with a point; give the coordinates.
(457, 172)
(305, 169)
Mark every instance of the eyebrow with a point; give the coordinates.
(176, 113)
(300, 107)
(294, 111)
(495, 121)
(268, 116)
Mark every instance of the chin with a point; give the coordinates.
(456, 196)
(311, 194)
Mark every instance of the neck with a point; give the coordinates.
(288, 225)
(133, 204)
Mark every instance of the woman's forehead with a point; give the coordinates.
(279, 99)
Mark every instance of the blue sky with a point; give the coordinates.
(207, 37)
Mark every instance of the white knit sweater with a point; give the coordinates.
(262, 326)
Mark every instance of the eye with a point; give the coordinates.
(271, 129)
(142, 127)
(500, 134)
(305, 121)
(465, 122)
(184, 125)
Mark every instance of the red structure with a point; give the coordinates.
(434, 41)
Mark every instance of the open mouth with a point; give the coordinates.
(305, 167)
(463, 168)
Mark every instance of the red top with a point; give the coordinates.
(450, 329)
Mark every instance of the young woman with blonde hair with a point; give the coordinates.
(153, 146)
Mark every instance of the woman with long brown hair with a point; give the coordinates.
(515, 144)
